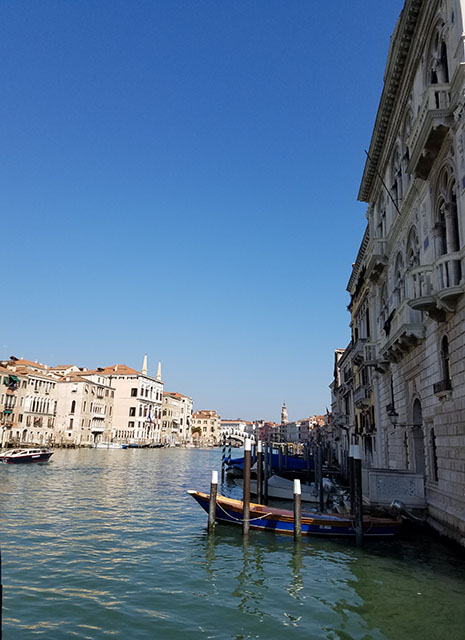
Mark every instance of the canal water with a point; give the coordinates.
(108, 544)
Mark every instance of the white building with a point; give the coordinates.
(176, 418)
(84, 409)
(138, 403)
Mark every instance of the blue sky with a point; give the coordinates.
(180, 178)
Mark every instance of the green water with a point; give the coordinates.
(107, 544)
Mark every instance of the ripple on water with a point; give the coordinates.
(102, 544)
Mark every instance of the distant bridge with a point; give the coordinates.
(238, 436)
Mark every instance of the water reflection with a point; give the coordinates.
(100, 544)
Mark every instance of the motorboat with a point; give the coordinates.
(16, 456)
(107, 445)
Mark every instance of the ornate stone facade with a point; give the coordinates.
(400, 384)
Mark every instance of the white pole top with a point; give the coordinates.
(259, 447)
(214, 477)
(356, 452)
(297, 488)
(247, 445)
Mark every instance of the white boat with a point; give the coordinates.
(16, 456)
(283, 489)
(107, 445)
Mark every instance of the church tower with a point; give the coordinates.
(284, 418)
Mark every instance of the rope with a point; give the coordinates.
(265, 515)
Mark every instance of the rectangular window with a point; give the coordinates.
(133, 393)
(132, 411)
(131, 425)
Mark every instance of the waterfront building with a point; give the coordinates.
(176, 418)
(138, 399)
(400, 384)
(84, 409)
(206, 427)
(28, 402)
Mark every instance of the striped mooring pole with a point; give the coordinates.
(223, 458)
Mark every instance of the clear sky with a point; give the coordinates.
(180, 178)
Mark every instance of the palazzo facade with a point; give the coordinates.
(399, 387)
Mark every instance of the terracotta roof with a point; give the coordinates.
(116, 369)
(28, 363)
(205, 414)
(28, 371)
(63, 366)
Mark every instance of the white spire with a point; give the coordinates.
(144, 366)
(159, 371)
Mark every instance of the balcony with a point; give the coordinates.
(403, 332)
(435, 288)
(362, 396)
(97, 428)
(420, 288)
(447, 279)
(358, 351)
(442, 388)
(429, 130)
(377, 260)
(363, 352)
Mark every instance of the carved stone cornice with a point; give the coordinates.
(400, 46)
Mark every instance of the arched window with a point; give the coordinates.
(399, 282)
(396, 177)
(444, 359)
(438, 65)
(413, 249)
(405, 152)
(446, 227)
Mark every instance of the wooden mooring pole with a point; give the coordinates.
(259, 472)
(212, 503)
(246, 494)
(223, 458)
(358, 496)
(266, 474)
(351, 479)
(320, 478)
(297, 510)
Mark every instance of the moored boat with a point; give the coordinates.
(281, 488)
(16, 456)
(107, 445)
(235, 466)
(267, 518)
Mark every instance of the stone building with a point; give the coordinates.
(176, 418)
(400, 387)
(138, 400)
(28, 403)
(206, 427)
(84, 410)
